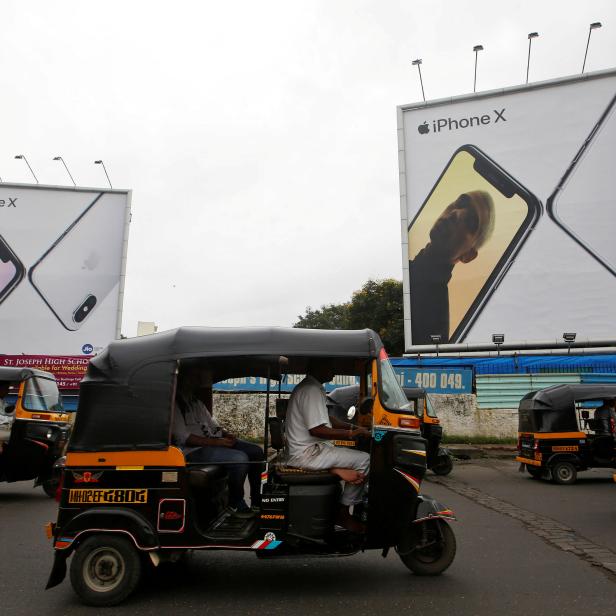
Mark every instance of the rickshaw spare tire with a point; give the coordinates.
(435, 557)
(534, 471)
(105, 570)
(564, 473)
(444, 466)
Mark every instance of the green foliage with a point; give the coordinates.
(377, 305)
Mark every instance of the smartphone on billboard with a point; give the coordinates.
(81, 268)
(584, 202)
(461, 243)
(11, 270)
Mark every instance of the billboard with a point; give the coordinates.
(62, 263)
(508, 213)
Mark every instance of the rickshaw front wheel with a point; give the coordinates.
(534, 472)
(444, 466)
(431, 548)
(105, 570)
(564, 473)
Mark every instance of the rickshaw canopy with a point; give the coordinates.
(553, 409)
(17, 375)
(126, 396)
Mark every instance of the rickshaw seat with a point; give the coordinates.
(291, 475)
(201, 476)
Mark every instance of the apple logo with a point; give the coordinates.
(423, 128)
(92, 261)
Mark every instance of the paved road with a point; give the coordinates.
(503, 565)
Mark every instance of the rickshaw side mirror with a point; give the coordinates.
(365, 406)
(585, 414)
(351, 412)
(9, 409)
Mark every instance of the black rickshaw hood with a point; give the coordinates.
(126, 396)
(17, 374)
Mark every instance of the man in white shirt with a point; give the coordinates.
(309, 433)
(203, 440)
(6, 419)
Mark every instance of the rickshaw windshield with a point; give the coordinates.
(41, 395)
(430, 412)
(392, 396)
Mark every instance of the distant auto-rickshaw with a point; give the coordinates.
(39, 428)
(557, 437)
(128, 496)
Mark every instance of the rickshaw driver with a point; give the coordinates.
(202, 440)
(309, 433)
(6, 419)
(606, 415)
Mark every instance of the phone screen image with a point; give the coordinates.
(82, 266)
(11, 270)
(461, 243)
(584, 203)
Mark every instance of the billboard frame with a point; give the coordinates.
(403, 148)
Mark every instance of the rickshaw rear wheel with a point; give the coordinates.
(564, 473)
(438, 553)
(534, 472)
(105, 570)
(50, 486)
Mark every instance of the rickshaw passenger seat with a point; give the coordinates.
(203, 476)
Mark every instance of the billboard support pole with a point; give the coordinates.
(531, 36)
(476, 49)
(593, 26)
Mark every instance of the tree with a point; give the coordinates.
(377, 305)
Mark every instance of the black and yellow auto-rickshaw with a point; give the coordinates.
(557, 437)
(128, 494)
(440, 460)
(39, 428)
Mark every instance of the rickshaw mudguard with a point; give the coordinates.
(429, 508)
(113, 519)
(58, 570)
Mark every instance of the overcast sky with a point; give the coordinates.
(259, 138)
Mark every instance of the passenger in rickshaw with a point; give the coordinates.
(309, 433)
(203, 440)
(605, 417)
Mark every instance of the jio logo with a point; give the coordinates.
(87, 349)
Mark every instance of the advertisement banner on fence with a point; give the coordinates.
(62, 262)
(68, 370)
(509, 214)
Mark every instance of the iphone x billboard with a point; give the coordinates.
(509, 214)
(62, 256)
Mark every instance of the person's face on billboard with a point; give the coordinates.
(458, 231)
(468, 220)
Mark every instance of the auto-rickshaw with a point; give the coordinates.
(129, 497)
(557, 437)
(39, 429)
(438, 459)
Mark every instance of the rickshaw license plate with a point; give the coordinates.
(109, 497)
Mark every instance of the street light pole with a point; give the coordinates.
(476, 49)
(67, 171)
(531, 36)
(100, 162)
(593, 26)
(417, 63)
(23, 157)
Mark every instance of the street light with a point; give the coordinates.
(593, 26)
(498, 339)
(569, 338)
(436, 338)
(23, 157)
(100, 162)
(67, 171)
(417, 63)
(531, 36)
(476, 49)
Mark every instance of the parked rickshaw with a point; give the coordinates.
(129, 497)
(557, 437)
(440, 460)
(39, 430)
